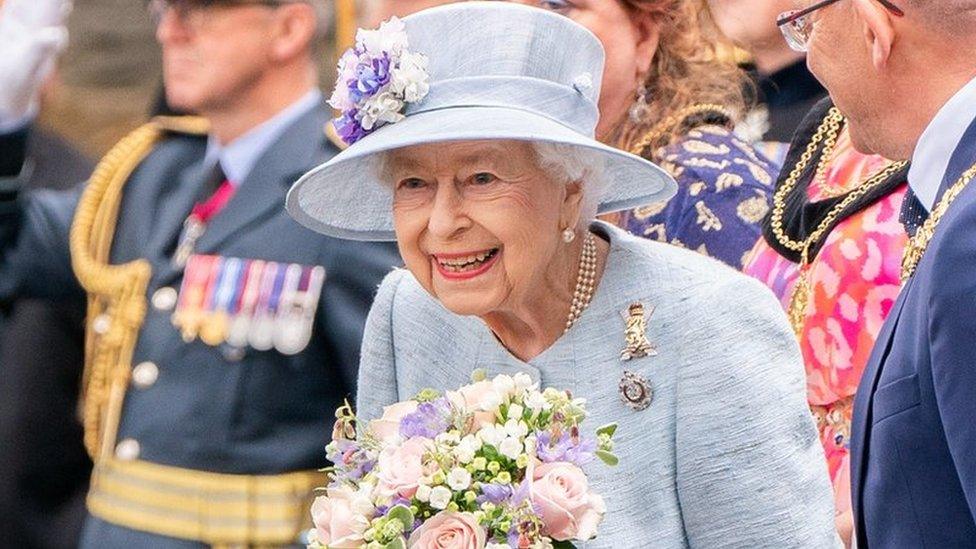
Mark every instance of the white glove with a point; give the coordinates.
(32, 32)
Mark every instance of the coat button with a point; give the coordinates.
(101, 324)
(127, 450)
(145, 375)
(164, 299)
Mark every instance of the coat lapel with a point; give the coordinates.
(863, 398)
(169, 220)
(262, 194)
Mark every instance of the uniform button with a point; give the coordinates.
(233, 354)
(101, 324)
(127, 450)
(145, 375)
(164, 299)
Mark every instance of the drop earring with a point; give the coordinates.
(638, 111)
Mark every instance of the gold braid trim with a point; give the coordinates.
(116, 293)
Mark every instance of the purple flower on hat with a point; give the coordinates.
(377, 78)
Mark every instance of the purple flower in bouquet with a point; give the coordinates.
(494, 493)
(576, 450)
(429, 420)
(351, 462)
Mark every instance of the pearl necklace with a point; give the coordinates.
(585, 281)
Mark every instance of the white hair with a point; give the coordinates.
(571, 164)
(566, 164)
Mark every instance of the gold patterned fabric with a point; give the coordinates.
(724, 192)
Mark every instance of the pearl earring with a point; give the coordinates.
(569, 235)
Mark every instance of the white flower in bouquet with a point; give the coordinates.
(440, 497)
(459, 479)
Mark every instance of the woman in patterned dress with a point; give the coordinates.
(671, 96)
(840, 289)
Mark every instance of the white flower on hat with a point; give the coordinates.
(381, 109)
(409, 79)
(390, 38)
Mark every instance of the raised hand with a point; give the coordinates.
(32, 32)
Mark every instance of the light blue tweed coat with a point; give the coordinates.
(725, 456)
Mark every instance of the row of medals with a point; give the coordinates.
(248, 303)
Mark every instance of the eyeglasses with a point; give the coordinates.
(797, 25)
(193, 13)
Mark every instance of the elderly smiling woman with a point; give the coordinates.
(489, 181)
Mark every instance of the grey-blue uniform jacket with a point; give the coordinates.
(211, 409)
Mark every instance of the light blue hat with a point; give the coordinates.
(496, 71)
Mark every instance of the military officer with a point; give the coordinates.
(221, 335)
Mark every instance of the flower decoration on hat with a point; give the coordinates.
(378, 77)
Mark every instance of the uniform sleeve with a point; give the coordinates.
(353, 274)
(377, 369)
(750, 470)
(35, 258)
(951, 328)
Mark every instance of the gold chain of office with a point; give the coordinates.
(827, 134)
(917, 244)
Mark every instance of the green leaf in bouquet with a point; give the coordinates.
(607, 457)
(402, 514)
(398, 543)
(427, 395)
(608, 430)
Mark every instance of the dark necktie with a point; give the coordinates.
(913, 213)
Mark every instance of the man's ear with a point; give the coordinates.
(294, 30)
(878, 29)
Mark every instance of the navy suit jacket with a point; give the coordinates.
(913, 445)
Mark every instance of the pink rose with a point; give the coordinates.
(335, 520)
(447, 530)
(400, 467)
(569, 510)
(387, 428)
(479, 396)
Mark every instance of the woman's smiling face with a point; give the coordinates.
(478, 223)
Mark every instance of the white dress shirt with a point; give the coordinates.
(937, 143)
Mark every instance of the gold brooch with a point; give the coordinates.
(635, 333)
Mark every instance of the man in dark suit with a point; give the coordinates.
(902, 71)
(221, 334)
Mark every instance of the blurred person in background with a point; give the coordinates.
(44, 469)
(670, 96)
(784, 88)
(221, 335)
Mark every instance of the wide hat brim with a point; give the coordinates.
(344, 197)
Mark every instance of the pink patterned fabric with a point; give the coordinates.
(855, 280)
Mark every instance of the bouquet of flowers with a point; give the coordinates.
(495, 464)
